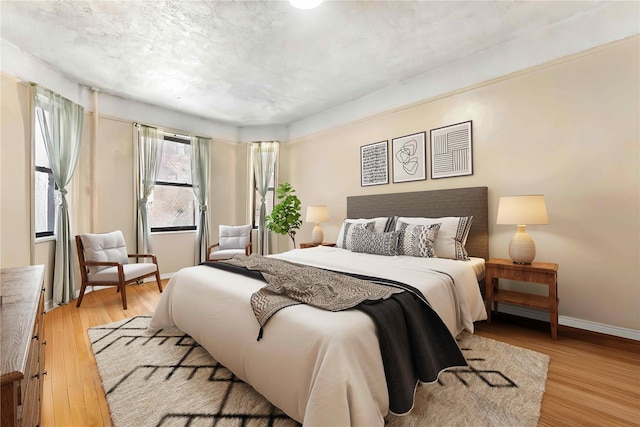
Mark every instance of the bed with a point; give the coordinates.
(321, 367)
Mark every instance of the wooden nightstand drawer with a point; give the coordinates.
(545, 278)
(507, 273)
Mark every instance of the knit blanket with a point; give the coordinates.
(291, 284)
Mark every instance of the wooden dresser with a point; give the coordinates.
(22, 345)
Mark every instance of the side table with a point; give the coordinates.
(306, 245)
(544, 273)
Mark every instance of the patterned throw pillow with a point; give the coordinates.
(347, 237)
(417, 240)
(452, 236)
(375, 243)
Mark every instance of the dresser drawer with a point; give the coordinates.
(21, 338)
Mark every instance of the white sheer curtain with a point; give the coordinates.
(264, 155)
(200, 176)
(61, 125)
(150, 141)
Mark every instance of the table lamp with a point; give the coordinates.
(520, 211)
(317, 214)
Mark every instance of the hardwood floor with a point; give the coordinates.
(593, 379)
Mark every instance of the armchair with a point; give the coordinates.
(104, 261)
(233, 240)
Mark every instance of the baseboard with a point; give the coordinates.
(572, 322)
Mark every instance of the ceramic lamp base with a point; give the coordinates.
(522, 249)
(317, 235)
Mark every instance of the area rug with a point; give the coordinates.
(164, 378)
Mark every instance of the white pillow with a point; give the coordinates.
(104, 247)
(451, 237)
(378, 227)
(234, 236)
(417, 240)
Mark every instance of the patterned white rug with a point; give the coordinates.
(164, 378)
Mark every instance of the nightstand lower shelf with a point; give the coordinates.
(542, 273)
(521, 298)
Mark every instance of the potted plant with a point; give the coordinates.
(285, 217)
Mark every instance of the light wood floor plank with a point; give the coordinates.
(593, 379)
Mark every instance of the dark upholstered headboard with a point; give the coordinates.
(432, 204)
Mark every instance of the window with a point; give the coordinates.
(173, 206)
(44, 187)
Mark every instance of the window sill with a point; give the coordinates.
(45, 239)
(158, 233)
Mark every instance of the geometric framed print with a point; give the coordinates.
(408, 154)
(451, 151)
(374, 164)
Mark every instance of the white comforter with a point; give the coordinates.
(321, 368)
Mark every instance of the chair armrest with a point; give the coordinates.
(211, 247)
(247, 249)
(101, 264)
(152, 256)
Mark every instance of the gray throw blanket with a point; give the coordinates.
(291, 284)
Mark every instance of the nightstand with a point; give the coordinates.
(313, 245)
(544, 273)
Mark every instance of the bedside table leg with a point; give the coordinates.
(554, 322)
(553, 296)
(491, 284)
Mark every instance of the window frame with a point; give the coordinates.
(51, 186)
(179, 140)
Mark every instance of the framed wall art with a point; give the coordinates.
(409, 157)
(374, 166)
(451, 151)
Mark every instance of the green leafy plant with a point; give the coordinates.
(285, 217)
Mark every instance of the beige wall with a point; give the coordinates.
(15, 177)
(569, 130)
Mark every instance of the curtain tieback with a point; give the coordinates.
(203, 208)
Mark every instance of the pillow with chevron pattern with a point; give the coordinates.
(417, 240)
(375, 243)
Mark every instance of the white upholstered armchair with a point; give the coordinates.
(233, 240)
(104, 261)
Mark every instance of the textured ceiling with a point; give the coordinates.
(262, 62)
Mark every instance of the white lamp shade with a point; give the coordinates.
(317, 214)
(522, 210)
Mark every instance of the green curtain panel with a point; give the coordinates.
(200, 176)
(264, 156)
(150, 141)
(61, 125)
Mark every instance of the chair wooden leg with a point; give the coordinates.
(82, 289)
(158, 280)
(124, 296)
